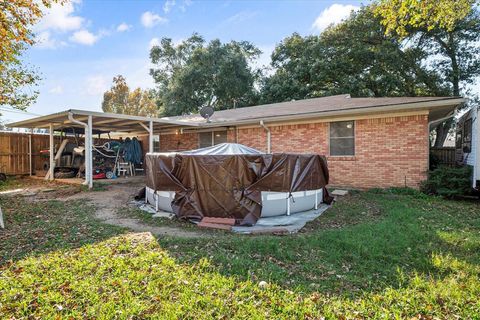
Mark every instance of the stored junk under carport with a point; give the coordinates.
(231, 185)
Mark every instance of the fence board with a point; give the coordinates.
(445, 155)
(14, 151)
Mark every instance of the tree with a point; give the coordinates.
(16, 35)
(450, 32)
(193, 74)
(119, 99)
(355, 57)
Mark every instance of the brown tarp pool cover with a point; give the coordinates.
(230, 186)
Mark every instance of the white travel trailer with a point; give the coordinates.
(467, 145)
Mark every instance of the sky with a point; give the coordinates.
(83, 44)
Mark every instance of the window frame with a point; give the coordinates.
(350, 137)
(467, 136)
(156, 143)
(212, 135)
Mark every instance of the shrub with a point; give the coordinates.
(448, 182)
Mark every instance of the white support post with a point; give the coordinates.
(2, 224)
(30, 152)
(149, 129)
(89, 151)
(150, 137)
(316, 199)
(51, 172)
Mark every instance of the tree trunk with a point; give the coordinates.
(442, 132)
(452, 53)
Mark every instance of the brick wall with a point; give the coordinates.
(388, 151)
(178, 142)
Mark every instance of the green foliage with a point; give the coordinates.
(355, 57)
(193, 74)
(448, 29)
(449, 182)
(119, 99)
(16, 79)
(401, 16)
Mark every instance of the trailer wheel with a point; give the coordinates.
(3, 177)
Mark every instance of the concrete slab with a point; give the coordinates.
(338, 192)
(282, 224)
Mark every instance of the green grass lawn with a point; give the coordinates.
(376, 254)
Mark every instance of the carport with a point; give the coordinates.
(90, 123)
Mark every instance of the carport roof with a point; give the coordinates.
(104, 122)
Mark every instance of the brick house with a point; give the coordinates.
(368, 142)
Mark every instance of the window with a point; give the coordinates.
(208, 139)
(156, 143)
(467, 136)
(342, 138)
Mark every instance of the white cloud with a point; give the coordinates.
(44, 40)
(61, 18)
(151, 19)
(168, 5)
(241, 16)
(96, 85)
(84, 37)
(154, 42)
(332, 15)
(56, 90)
(122, 27)
(184, 5)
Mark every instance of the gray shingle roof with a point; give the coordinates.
(305, 107)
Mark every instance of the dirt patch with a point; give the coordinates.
(110, 201)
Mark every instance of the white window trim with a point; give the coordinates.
(354, 139)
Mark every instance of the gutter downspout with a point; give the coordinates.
(87, 145)
(269, 136)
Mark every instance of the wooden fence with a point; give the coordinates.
(445, 155)
(14, 152)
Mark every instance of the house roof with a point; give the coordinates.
(324, 106)
(339, 105)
